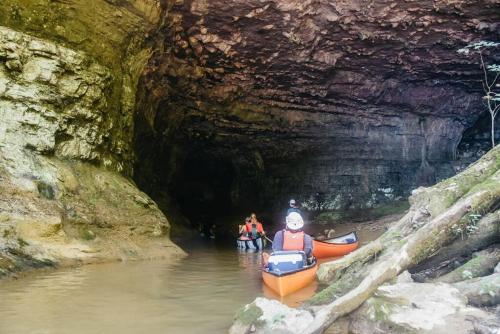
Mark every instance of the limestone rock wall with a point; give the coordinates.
(68, 76)
(52, 102)
(113, 36)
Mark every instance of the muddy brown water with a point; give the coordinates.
(199, 294)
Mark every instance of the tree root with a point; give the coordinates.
(331, 271)
(481, 264)
(417, 247)
(459, 251)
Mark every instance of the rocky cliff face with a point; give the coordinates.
(68, 75)
(113, 37)
(342, 104)
(224, 105)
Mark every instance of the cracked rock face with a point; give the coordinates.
(52, 101)
(342, 104)
(67, 97)
(86, 70)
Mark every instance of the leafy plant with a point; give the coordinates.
(491, 72)
(472, 227)
(467, 227)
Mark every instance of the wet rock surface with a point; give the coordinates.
(356, 103)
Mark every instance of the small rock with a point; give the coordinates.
(46, 190)
(14, 65)
(404, 277)
(331, 234)
(145, 202)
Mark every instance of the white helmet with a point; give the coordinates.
(294, 221)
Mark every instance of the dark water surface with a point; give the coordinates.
(199, 294)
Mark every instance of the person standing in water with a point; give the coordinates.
(254, 228)
(293, 236)
(242, 229)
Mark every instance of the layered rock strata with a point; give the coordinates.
(68, 75)
(351, 102)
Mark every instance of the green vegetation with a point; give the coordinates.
(46, 190)
(334, 290)
(447, 192)
(249, 314)
(490, 73)
(380, 308)
(466, 226)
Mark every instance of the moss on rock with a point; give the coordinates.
(113, 35)
(248, 314)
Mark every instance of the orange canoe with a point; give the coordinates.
(337, 246)
(286, 283)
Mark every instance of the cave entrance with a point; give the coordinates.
(202, 187)
(476, 141)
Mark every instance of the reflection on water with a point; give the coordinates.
(197, 295)
(294, 299)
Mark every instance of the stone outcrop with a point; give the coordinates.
(52, 102)
(402, 307)
(68, 76)
(408, 307)
(395, 308)
(355, 102)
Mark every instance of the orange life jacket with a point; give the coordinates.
(248, 227)
(258, 227)
(254, 229)
(293, 241)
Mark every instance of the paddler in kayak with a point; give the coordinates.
(254, 232)
(293, 236)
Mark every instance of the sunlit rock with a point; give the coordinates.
(417, 308)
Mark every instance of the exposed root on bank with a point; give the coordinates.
(481, 264)
(487, 232)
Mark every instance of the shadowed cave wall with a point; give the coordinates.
(245, 104)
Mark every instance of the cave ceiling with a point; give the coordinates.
(346, 84)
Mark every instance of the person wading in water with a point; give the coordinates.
(253, 230)
(254, 227)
